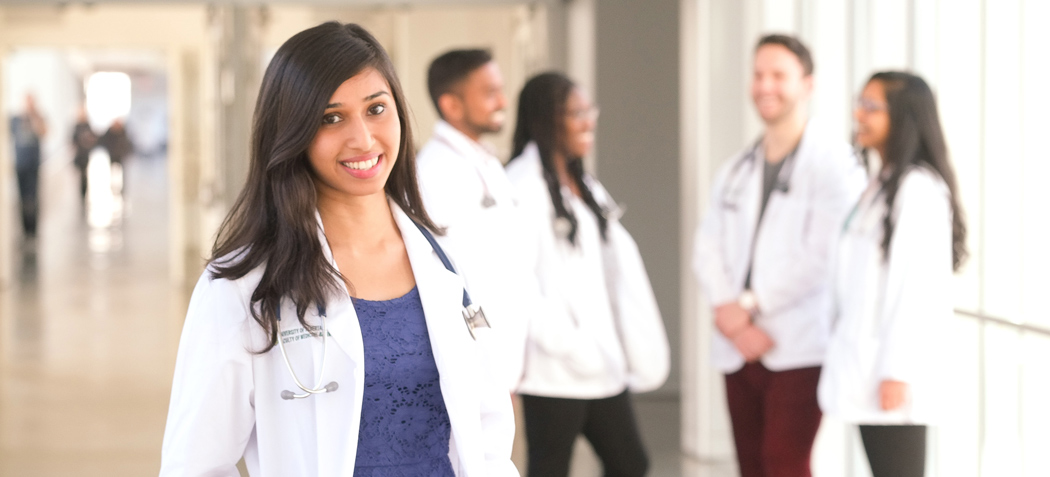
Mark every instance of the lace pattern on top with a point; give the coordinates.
(405, 427)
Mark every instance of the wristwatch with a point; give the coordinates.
(748, 302)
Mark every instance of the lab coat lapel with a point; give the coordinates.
(336, 420)
(441, 293)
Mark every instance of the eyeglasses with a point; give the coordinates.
(588, 114)
(869, 106)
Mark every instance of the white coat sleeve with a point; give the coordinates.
(838, 183)
(918, 280)
(708, 257)
(443, 196)
(211, 416)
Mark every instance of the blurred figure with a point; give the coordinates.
(763, 253)
(84, 141)
(117, 144)
(27, 129)
(466, 190)
(601, 333)
(899, 248)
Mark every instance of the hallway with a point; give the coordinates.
(88, 334)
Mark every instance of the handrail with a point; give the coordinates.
(1003, 321)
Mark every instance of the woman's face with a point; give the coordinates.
(581, 117)
(359, 139)
(873, 116)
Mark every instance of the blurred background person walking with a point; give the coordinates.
(579, 365)
(27, 130)
(893, 287)
(117, 144)
(84, 141)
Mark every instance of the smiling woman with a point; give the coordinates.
(330, 228)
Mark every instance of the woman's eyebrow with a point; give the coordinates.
(367, 98)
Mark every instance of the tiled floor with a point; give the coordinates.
(88, 337)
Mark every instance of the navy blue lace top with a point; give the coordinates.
(404, 425)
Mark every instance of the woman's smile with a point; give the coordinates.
(363, 167)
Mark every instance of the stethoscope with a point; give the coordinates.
(735, 182)
(317, 389)
(473, 315)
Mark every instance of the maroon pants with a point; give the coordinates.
(775, 419)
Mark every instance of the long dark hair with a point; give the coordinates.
(541, 119)
(272, 223)
(916, 139)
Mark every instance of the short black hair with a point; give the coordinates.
(447, 70)
(794, 45)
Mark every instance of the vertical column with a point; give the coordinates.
(239, 47)
(716, 38)
(705, 425)
(7, 161)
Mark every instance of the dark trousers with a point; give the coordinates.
(895, 451)
(775, 418)
(552, 424)
(28, 171)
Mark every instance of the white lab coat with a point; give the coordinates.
(225, 400)
(891, 313)
(574, 349)
(454, 173)
(792, 251)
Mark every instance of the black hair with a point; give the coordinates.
(541, 119)
(272, 223)
(794, 45)
(916, 139)
(449, 69)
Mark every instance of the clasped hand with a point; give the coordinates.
(735, 323)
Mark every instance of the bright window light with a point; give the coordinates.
(108, 98)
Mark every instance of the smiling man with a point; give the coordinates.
(762, 256)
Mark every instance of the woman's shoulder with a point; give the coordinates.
(525, 168)
(214, 292)
(922, 181)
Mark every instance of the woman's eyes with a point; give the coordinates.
(373, 110)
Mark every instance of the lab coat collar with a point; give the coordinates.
(461, 143)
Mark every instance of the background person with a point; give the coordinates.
(330, 233)
(763, 254)
(84, 141)
(466, 190)
(27, 130)
(577, 369)
(119, 147)
(899, 248)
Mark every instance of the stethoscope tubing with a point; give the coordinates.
(317, 389)
(783, 177)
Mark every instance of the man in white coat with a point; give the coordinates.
(763, 256)
(466, 190)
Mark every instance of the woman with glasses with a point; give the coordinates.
(326, 337)
(578, 365)
(900, 246)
